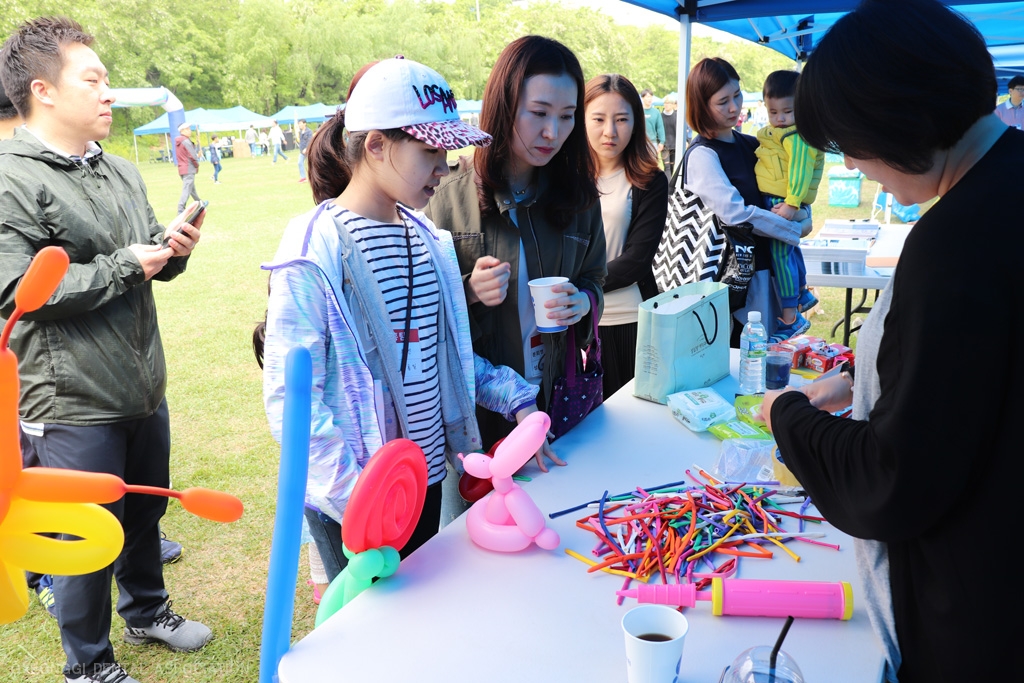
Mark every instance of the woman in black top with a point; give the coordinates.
(925, 474)
(634, 203)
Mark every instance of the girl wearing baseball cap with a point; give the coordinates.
(372, 288)
(524, 208)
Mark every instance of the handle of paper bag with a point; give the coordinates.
(595, 347)
(703, 329)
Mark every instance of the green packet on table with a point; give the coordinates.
(737, 429)
(748, 409)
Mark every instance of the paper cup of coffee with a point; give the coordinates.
(540, 293)
(654, 643)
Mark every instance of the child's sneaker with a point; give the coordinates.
(807, 300)
(783, 332)
(44, 591)
(170, 551)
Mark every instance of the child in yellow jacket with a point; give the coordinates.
(788, 173)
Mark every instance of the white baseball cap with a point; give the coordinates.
(401, 93)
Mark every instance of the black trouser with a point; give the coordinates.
(668, 156)
(618, 355)
(30, 459)
(138, 451)
(327, 533)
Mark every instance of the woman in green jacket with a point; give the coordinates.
(527, 207)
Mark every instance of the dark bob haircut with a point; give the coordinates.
(896, 82)
(1014, 82)
(707, 77)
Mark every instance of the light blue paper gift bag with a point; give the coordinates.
(682, 340)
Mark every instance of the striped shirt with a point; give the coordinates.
(385, 246)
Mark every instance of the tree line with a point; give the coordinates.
(266, 54)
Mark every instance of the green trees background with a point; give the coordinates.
(265, 54)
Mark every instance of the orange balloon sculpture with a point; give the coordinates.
(42, 500)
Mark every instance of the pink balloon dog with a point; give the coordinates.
(507, 519)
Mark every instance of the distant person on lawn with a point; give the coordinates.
(277, 140)
(188, 164)
(1011, 112)
(305, 135)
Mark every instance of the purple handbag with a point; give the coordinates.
(574, 394)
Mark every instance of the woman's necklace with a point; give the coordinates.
(524, 194)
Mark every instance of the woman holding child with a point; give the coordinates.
(719, 168)
(527, 207)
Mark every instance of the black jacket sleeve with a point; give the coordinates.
(650, 207)
(939, 423)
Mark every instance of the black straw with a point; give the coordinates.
(775, 650)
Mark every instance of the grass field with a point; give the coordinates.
(219, 432)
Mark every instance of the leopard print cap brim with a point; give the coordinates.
(449, 135)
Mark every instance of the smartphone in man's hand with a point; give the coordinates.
(197, 208)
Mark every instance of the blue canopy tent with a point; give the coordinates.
(166, 124)
(792, 27)
(1008, 60)
(311, 113)
(235, 118)
(206, 121)
(468, 106)
(198, 117)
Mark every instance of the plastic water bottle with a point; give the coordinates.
(753, 349)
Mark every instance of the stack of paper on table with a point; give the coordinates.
(835, 256)
(835, 228)
(885, 252)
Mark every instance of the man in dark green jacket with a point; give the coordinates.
(90, 360)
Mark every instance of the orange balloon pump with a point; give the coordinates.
(41, 499)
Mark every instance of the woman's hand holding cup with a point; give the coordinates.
(572, 306)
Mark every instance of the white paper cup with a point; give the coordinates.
(654, 643)
(540, 293)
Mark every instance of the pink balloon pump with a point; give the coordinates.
(751, 598)
(507, 520)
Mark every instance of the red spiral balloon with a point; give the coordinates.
(387, 499)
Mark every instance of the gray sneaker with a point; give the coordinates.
(103, 673)
(173, 630)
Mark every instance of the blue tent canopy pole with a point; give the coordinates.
(685, 36)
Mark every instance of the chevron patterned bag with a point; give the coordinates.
(693, 242)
